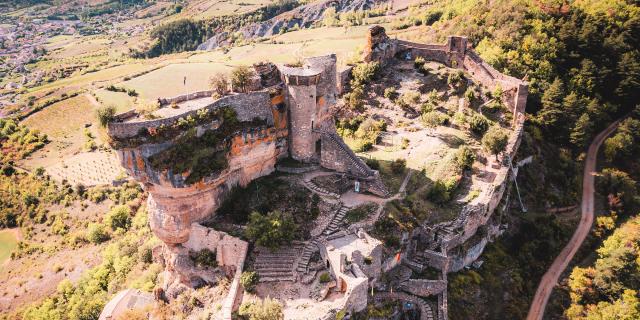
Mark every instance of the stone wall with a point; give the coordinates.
(185, 97)
(247, 105)
(424, 287)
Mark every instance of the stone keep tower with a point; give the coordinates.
(310, 91)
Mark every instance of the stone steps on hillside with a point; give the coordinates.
(336, 221)
(307, 253)
(320, 190)
(277, 265)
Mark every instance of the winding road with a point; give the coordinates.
(550, 278)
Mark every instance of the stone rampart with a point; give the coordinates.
(185, 97)
(247, 106)
(424, 287)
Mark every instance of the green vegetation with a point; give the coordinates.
(119, 217)
(360, 212)
(240, 77)
(249, 280)
(271, 230)
(87, 297)
(186, 34)
(105, 115)
(204, 258)
(267, 309)
(324, 277)
(512, 266)
(8, 242)
(608, 290)
(18, 141)
(495, 140)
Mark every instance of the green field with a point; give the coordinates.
(169, 81)
(8, 242)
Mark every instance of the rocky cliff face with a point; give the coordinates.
(303, 16)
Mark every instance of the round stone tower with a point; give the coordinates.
(301, 93)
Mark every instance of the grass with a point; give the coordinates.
(169, 81)
(122, 101)
(8, 242)
(63, 118)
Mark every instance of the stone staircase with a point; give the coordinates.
(361, 168)
(309, 249)
(417, 262)
(336, 221)
(277, 265)
(320, 190)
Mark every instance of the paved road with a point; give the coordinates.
(550, 279)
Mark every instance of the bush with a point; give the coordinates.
(398, 166)
(373, 164)
(362, 73)
(439, 193)
(249, 280)
(267, 309)
(271, 230)
(325, 277)
(465, 158)
(105, 115)
(390, 93)
(204, 258)
(97, 233)
(219, 84)
(119, 217)
(355, 98)
(478, 124)
(434, 118)
(419, 62)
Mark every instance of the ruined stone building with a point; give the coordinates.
(285, 114)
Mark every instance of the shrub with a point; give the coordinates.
(419, 62)
(204, 258)
(97, 233)
(465, 158)
(439, 193)
(249, 280)
(267, 309)
(355, 98)
(271, 230)
(478, 124)
(373, 164)
(495, 140)
(405, 143)
(390, 93)
(408, 99)
(105, 115)
(219, 84)
(434, 118)
(362, 73)
(325, 277)
(398, 166)
(119, 217)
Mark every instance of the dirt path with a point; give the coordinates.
(550, 278)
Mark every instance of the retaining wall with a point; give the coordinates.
(247, 106)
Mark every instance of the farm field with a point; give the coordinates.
(213, 8)
(8, 242)
(63, 122)
(120, 100)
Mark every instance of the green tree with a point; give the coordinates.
(119, 217)
(271, 230)
(495, 140)
(240, 78)
(105, 115)
(96, 233)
